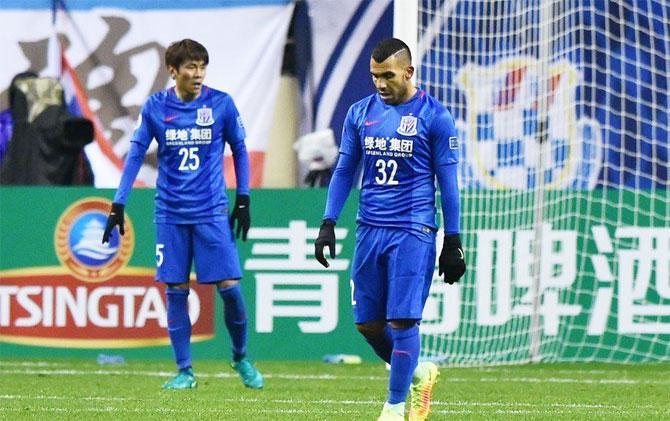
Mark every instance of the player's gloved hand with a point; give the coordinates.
(241, 215)
(115, 218)
(452, 262)
(326, 238)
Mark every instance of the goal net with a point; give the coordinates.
(562, 111)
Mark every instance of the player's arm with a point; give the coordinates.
(445, 164)
(138, 148)
(339, 188)
(235, 133)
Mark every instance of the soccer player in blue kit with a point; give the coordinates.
(405, 139)
(191, 122)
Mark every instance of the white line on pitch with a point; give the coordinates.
(546, 411)
(322, 411)
(345, 402)
(32, 364)
(620, 368)
(445, 379)
(116, 372)
(177, 411)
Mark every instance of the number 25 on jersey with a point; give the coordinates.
(189, 159)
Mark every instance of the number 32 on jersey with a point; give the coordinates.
(386, 172)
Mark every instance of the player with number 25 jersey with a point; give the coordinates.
(191, 123)
(191, 135)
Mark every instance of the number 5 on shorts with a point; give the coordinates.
(159, 254)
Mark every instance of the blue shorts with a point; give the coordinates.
(211, 245)
(392, 271)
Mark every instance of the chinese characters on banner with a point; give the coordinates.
(642, 280)
(292, 283)
(630, 281)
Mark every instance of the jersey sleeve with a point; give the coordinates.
(444, 139)
(234, 133)
(233, 129)
(445, 163)
(447, 179)
(144, 132)
(139, 144)
(351, 142)
(343, 176)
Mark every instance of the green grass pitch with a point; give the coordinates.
(83, 390)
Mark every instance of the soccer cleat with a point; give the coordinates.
(250, 375)
(390, 414)
(420, 393)
(185, 379)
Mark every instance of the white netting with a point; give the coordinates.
(562, 108)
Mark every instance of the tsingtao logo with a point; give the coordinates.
(78, 241)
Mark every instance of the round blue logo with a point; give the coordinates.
(78, 241)
(84, 240)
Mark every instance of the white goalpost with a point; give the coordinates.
(562, 112)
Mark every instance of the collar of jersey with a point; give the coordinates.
(418, 94)
(172, 96)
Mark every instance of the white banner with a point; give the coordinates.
(118, 56)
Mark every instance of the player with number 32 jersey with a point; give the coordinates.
(400, 146)
(405, 140)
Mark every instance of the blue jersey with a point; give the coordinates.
(190, 135)
(402, 148)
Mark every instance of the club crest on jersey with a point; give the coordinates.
(407, 125)
(205, 117)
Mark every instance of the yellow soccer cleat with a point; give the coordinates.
(421, 392)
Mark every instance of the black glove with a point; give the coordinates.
(115, 218)
(241, 214)
(452, 262)
(326, 238)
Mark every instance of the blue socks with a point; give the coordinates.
(382, 345)
(235, 316)
(179, 326)
(406, 346)
(400, 348)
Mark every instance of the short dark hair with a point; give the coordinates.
(181, 51)
(388, 47)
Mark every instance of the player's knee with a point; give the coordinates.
(183, 285)
(227, 283)
(402, 323)
(371, 329)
